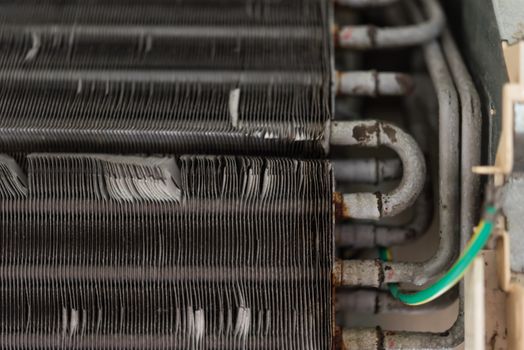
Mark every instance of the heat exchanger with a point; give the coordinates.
(165, 181)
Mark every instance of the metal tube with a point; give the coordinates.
(376, 338)
(42, 206)
(140, 273)
(122, 341)
(373, 301)
(370, 236)
(369, 171)
(470, 112)
(369, 36)
(419, 273)
(471, 135)
(373, 133)
(167, 31)
(470, 156)
(80, 76)
(373, 83)
(364, 3)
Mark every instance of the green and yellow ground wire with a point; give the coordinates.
(480, 236)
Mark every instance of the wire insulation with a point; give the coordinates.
(480, 236)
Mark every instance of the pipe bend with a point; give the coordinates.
(371, 37)
(420, 272)
(372, 133)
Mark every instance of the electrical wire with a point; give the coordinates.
(480, 236)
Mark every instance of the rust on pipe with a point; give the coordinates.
(374, 134)
(371, 37)
(378, 339)
(370, 236)
(449, 196)
(471, 117)
(345, 273)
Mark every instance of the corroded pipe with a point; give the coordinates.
(378, 339)
(471, 134)
(375, 134)
(370, 236)
(375, 273)
(370, 37)
(471, 122)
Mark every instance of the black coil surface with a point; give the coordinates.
(200, 252)
(165, 76)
